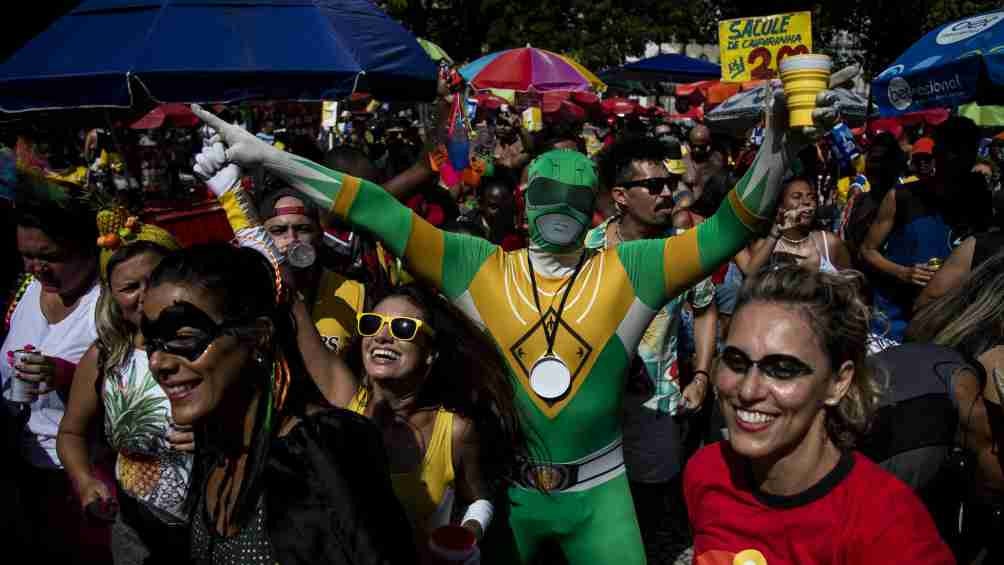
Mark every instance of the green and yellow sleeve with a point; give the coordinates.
(448, 261)
(661, 269)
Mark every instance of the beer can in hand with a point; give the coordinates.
(22, 391)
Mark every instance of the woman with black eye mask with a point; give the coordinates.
(786, 486)
(272, 480)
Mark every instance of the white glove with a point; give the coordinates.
(240, 146)
(211, 166)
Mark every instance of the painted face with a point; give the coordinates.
(385, 356)
(128, 284)
(649, 195)
(775, 406)
(801, 195)
(285, 228)
(58, 268)
(195, 356)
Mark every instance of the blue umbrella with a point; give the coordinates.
(107, 52)
(956, 63)
(670, 67)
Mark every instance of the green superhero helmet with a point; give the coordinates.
(560, 196)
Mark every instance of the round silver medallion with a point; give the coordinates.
(550, 377)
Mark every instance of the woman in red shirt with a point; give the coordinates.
(787, 486)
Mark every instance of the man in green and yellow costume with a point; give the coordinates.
(567, 319)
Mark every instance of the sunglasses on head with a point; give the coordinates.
(654, 185)
(401, 327)
(776, 366)
(163, 334)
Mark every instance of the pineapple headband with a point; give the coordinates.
(117, 229)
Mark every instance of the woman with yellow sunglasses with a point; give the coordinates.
(436, 386)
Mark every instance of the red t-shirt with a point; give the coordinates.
(858, 514)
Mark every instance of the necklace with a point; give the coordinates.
(787, 239)
(550, 377)
(617, 228)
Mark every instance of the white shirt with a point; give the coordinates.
(67, 340)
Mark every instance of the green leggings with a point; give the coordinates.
(597, 526)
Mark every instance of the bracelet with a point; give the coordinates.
(480, 511)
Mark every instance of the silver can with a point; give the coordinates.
(22, 391)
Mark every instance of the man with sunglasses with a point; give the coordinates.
(567, 319)
(644, 179)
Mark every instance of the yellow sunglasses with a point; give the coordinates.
(401, 327)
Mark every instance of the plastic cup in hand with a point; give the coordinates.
(22, 391)
(454, 545)
(804, 76)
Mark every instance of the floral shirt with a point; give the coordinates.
(658, 349)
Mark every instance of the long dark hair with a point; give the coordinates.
(243, 282)
(470, 378)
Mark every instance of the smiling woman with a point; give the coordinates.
(795, 393)
(224, 351)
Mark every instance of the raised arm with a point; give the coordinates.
(427, 250)
(687, 258)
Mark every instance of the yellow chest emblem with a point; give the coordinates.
(596, 303)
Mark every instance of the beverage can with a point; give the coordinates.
(842, 144)
(301, 255)
(21, 391)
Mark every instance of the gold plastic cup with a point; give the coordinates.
(804, 76)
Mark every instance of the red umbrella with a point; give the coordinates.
(489, 101)
(551, 101)
(177, 115)
(619, 106)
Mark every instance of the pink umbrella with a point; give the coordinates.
(178, 115)
(529, 68)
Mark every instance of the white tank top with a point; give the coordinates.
(67, 340)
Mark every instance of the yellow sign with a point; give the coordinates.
(752, 48)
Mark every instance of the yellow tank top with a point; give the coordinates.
(334, 313)
(422, 491)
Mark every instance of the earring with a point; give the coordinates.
(259, 358)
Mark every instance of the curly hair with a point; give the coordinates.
(469, 377)
(833, 307)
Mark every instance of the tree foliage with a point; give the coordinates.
(601, 33)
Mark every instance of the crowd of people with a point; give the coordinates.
(659, 344)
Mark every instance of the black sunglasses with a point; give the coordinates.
(162, 334)
(777, 366)
(654, 185)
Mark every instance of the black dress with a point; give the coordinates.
(327, 499)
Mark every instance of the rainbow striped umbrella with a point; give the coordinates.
(529, 68)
